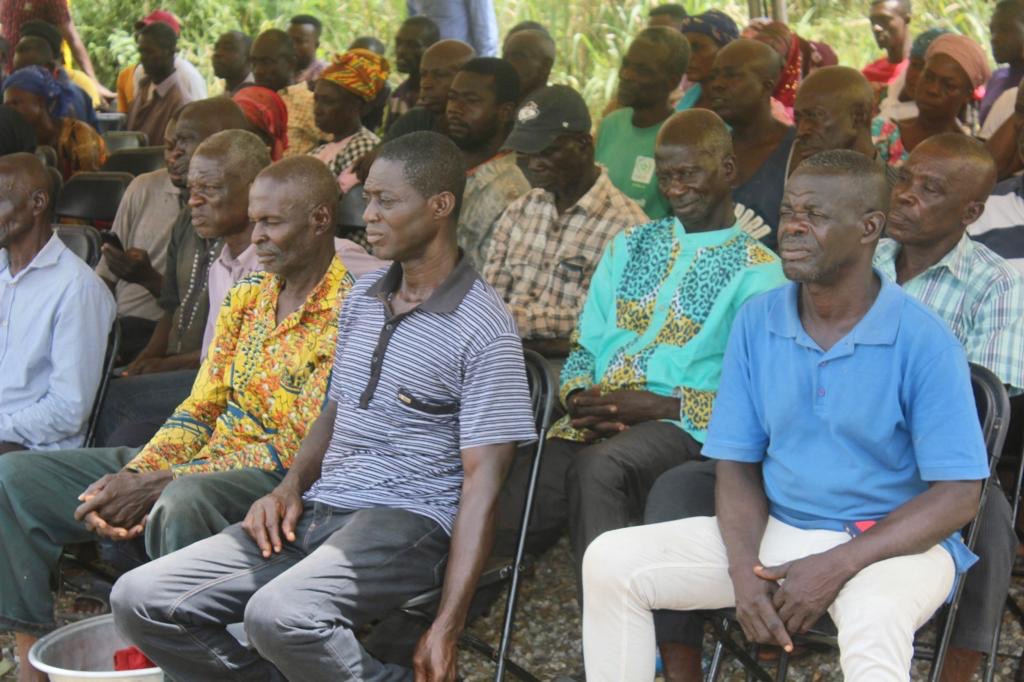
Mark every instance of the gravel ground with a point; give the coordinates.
(547, 635)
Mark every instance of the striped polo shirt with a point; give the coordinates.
(415, 389)
(1001, 226)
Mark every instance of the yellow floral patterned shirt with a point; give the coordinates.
(261, 386)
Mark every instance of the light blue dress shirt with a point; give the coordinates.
(471, 21)
(852, 433)
(55, 316)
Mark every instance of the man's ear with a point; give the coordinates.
(730, 169)
(40, 202)
(872, 226)
(441, 205)
(505, 113)
(322, 218)
(972, 212)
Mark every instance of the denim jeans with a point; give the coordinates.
(139, 405)
(300, 607)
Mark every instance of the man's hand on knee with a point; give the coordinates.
(121, 502)
(273, 516)
(808, 587)
(621, 408)
(756, 613)
(435, 656)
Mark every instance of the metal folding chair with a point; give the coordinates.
(994, 413)
(135, 160)
(109, 359)
(542, 395)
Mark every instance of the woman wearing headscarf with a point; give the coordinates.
(955, 66)
(268, 115)
(343, 91)
(16, 135)
(44, 103)
(898, 98)
(707, 33)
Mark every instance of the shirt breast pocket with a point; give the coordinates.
(421, 422)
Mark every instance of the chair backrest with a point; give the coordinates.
(136, 161)
(56, 186)
(93, 196)
(993, 410)
(349, 214)
(113, 346)
(47, 154)
(107, 121)
(542, 390)
(124, 139)
(83, 241)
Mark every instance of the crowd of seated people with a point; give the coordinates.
(319, 406)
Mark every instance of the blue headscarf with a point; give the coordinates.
(921, 43)
(714, 24)
(39, 81)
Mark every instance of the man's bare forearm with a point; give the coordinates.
(305, 469)
(742, 511)
(473, 534)
(914, 527)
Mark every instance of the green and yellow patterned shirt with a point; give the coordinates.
(658, 314)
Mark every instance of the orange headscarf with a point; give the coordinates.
(361, 72)
(267, 111)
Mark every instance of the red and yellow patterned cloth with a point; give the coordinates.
(361, 72)
(261, 386)
(267, 111)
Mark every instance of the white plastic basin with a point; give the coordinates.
(85, 651)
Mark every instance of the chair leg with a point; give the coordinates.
(783, 669)
(716, 662)
(992, 655)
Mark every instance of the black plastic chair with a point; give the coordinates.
(542, 396)
(93, 197)
(124, 139)
(56, 186)
(109, 359)
(349, 215)
(83, 241)
(994, 413)
(136, 161)
(109, 121)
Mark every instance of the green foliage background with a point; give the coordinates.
(591, 34)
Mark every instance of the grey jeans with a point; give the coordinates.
(689, 490)
(38, 496)
(300, 607)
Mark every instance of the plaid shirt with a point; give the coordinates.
(490, 188)
(303, 134)
(981, 298)
(358, 145)
(541, 262)
(262, 383)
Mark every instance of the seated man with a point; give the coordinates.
(981, 299)
(1001, 226)
(651, 70)
(230, 61)
(163, 371)
(304, 30)
(479, 112)
(273, 66)
(532, 54)
(438, 66)
(849, 456)
(414, 36)
(34, 50)
(56, 318)
(130, 78)
(415, 438)
(646, 354)
(159, 93)
(740, 88)
(261, 387)
(547, 243)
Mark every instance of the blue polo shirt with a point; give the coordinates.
(851, 433)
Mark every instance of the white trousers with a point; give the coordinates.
(682, 565)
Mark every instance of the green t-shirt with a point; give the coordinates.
(628, 154)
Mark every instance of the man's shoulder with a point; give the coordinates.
(485, 315)
(153, 182)
(614, 204)
(992, 272)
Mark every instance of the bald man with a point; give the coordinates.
(532, 54)
(831, 477)
(440, 62)
(740, 88)
(271, 356)
(56, 317)
(941, 190)
(641, 376)
(832, 111)
(274, 64)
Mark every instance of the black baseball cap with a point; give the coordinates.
(544, 115)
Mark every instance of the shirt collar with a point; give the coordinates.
(877, 328)
(445, 299)
(48, 255)
(596, 197)
(957, 260)
(704, 239)
(247, 257)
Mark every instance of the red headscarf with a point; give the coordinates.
(267, 111)
(780, 38)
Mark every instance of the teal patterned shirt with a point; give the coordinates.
(981, 298)
(658, 314)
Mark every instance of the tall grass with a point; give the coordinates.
(591, 35)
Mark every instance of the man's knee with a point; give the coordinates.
(128, 602)
(605, 566)
(275, 622)
(597, 467)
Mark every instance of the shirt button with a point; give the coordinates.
(821, 393)
(376, 357)
(388, 327)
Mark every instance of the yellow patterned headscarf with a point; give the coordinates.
(361, 72)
